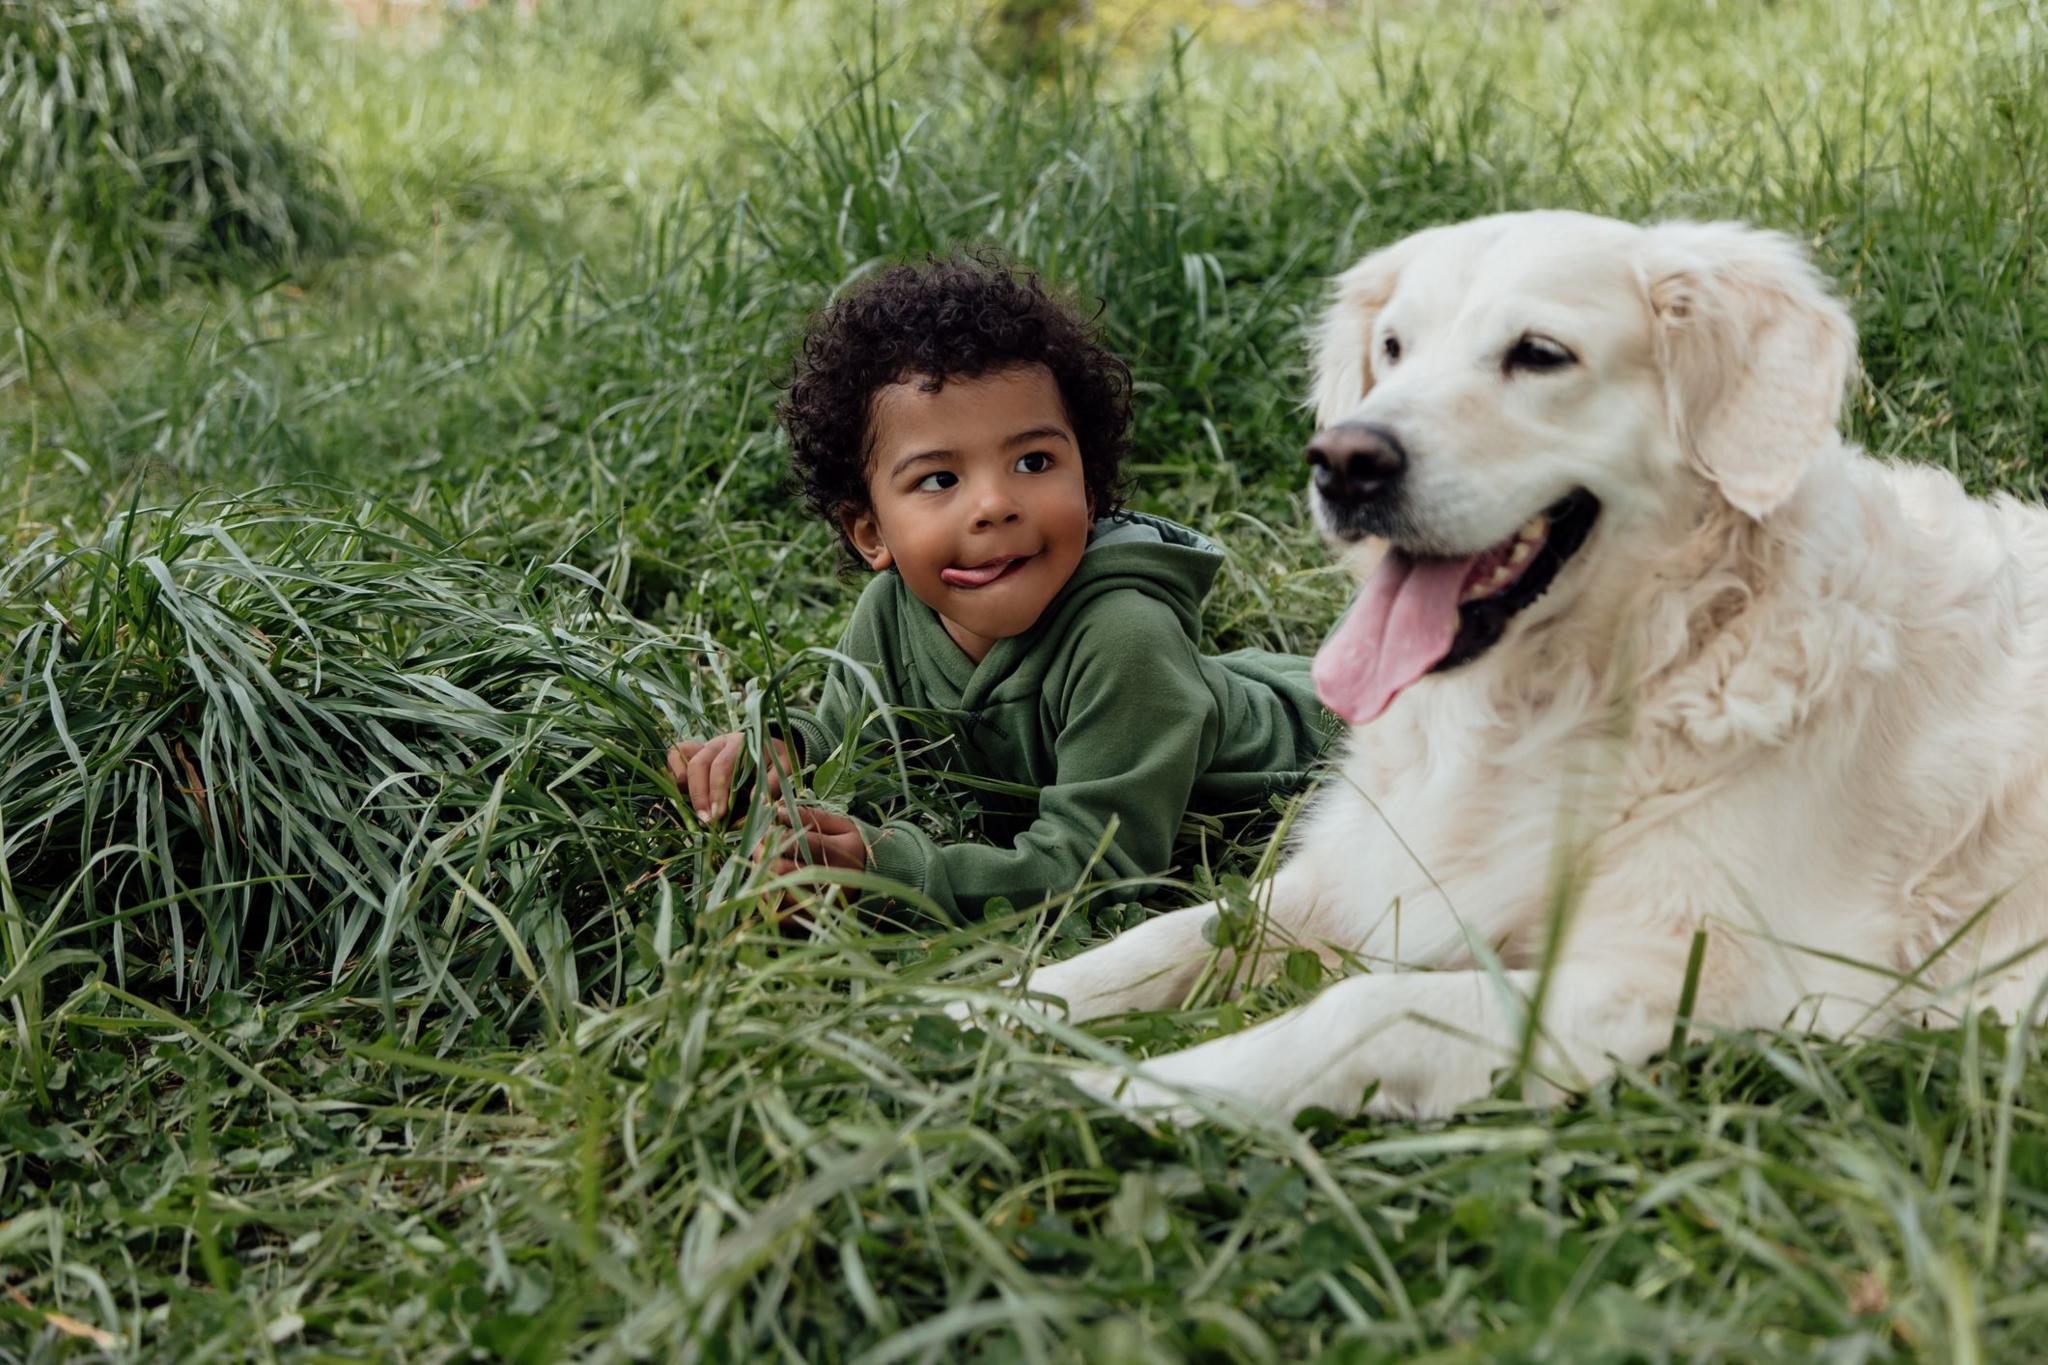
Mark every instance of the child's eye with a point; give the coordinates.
(1037, 462)
(937, 481)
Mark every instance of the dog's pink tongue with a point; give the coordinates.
(1404, 621)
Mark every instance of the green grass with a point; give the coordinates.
(135, 151)
(364, 994)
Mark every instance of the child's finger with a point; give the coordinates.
(781, 841)
(698, 773)
(826, 839)
(722, 764)
(700, 778)
(785, 845)
(835, 849)
(679, 756)
(851, 850)
(816, 818)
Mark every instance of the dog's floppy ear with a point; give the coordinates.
(1341, 349)
(1756, 354)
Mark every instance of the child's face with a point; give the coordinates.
(977, 498)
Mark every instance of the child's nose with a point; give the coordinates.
(995, 509)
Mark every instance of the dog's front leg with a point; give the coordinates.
(1432, 1041)
(1155, 965)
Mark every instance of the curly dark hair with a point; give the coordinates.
(959, 316)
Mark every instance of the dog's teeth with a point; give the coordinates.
(1521, 552)
(1495, 579)
(1533, 528)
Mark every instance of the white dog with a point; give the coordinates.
(1643, 649)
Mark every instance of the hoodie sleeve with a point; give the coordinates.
(844, 698)
(816, 732)
(1137, 723)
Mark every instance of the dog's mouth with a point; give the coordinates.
(1420, 614)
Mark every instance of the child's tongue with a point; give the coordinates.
(1404, 620)
(975, 577)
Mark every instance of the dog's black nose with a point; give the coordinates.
(1355, 461)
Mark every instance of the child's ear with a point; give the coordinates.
(866, 534)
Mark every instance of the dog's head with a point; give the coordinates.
(1502, 402)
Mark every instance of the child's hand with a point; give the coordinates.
(832, 840)
(703, 769)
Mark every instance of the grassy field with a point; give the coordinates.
(363, 994)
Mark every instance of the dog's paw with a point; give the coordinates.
(1013, 1012)
(1135, 1095)
(1009, 1016)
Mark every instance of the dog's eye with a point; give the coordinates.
(1537, 353)
(1392, 347)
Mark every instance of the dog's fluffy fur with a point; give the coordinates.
(1784, 694)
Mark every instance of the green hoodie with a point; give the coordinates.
(1106, 704)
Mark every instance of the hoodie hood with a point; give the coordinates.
(1127, 552)
(1152, 555)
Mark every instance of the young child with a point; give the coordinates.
(962, 430)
